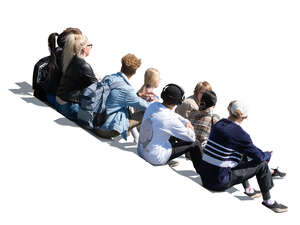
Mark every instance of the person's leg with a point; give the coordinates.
(106, 133)
(243, 164)
(62, 108)
(264, 178)
(135, 134)
(73, 111)
(179, 147)
(243, 172)
(51, 100)
(135, 119)
(69, 110)
(196, 157)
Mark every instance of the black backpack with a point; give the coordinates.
(40, 74)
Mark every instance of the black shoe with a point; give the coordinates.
(276, 207)
(173, 163)
(278, 174)
(255, 194)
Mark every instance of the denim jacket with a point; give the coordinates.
(117, 104)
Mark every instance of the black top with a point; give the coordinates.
(78, 76)
(53, 79)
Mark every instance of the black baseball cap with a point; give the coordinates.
(172, 94)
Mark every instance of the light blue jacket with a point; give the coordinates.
(117, 104)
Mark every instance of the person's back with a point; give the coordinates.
(189, 105)
(78, 76)
(229, 135)
(55, 74)
(192, 103)
(203, 119)
(226, 145)
(230, 158)
(56, 62)
(151, 81)
(165, 123)
(119, 98)
(119, 120)
(164, 134)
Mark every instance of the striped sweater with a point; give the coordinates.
(226, 145)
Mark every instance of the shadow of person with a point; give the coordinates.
(34, 101)
(192, 175)
(125, 146)
(65, 122)
(24, 89)
(114, 142)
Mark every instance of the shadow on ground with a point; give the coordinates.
(26, 90)
(192, 175)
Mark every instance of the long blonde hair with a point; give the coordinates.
(74, 44)
(151, 75)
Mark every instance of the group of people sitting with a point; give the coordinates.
(164, 127)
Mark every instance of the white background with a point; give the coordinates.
(52, 172)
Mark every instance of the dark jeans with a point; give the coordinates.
(51, 99)
(179, 147)
(69, 110)
(248, 169)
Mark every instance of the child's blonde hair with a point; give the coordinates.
(151, 75)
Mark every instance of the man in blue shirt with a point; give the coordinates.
(119, 120)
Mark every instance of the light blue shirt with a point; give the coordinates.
(117, 104)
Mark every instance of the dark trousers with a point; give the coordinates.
(241, 174)
(248, 169)
(179, 147)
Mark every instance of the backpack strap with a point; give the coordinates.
(116, 85)
(111, 87)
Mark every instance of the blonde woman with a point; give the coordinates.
(56, 46)
(77, 74)
(192, 103)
